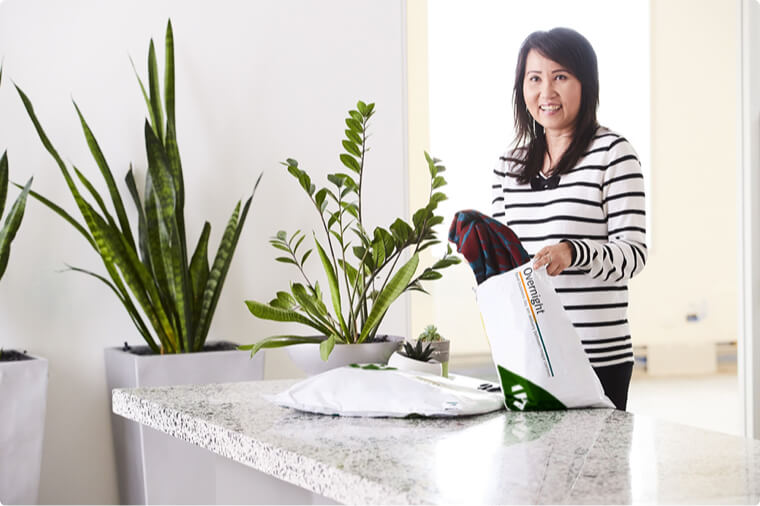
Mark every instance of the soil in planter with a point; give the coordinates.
(145, 349)
(14, 356)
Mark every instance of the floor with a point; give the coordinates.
(709, 402)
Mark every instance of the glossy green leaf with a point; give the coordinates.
(353, 137)
(350, 162)
(279, 342)
(326, 347)
(352, 148)
(267, 312)
(332, 282)
(390, 293)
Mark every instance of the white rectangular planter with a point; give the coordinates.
(23, 393)
(154, 468)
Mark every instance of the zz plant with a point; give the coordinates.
(153, 272)
(366, 271)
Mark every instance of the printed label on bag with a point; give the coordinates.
(534, 307)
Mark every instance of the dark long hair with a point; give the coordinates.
(571, 50)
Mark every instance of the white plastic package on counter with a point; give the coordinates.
(372, 390)
(537, 353)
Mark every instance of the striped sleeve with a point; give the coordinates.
(624, 253)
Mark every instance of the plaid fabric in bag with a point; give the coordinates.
(488, 245)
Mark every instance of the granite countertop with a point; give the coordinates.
(578, 456)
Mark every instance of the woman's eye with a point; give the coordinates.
(561, 77)
(533, 79)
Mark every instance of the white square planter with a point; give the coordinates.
(23, 393)
(152, 467)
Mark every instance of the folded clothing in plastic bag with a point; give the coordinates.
(372, 390)
(536, 351)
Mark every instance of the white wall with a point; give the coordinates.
(692, 263)
(257, 82)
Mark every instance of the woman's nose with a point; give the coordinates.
(547, 89)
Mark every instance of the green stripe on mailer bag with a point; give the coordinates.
(521, 394)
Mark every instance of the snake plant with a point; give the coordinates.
(365, 271)
(16, 213)
(170, 295)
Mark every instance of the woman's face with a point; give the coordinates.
(552, 94)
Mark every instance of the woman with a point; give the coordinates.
(573, 192)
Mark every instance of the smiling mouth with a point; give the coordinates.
(549, 108)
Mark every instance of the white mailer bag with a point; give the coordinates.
(373, 390)
(536, 351)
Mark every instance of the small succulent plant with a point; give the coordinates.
(417, 352)
(430, 334)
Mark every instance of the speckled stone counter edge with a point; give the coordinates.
(337, 484)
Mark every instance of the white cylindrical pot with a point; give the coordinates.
(405, 363)
(23, 395)
(308, 359)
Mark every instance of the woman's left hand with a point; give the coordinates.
(556, 258)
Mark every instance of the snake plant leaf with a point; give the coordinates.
(11, 226)
(63, 214)
(175, 265)
(142, 227)
(175, 169)
(155, 93)
(199, 270)
(169, 75)
(332, 281)
(222, 263)
(390, 293)
(135, 274)
(158, 259)
(326, 347)
(95, 195)
(267, 312)
(113, 191)
(280, 341)
(142, 88)
(45, 141)
(3, 181)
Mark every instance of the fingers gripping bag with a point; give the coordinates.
(537, 353)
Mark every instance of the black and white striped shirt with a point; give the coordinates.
(599, 208)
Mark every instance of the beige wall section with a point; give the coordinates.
(421, 313)
(692, 261)
(693, 250)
